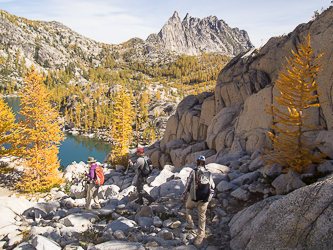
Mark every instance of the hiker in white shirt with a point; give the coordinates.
(202, 204)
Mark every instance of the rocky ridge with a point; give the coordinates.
(47, 43)
(54, 46)
(234, 117)
(193, 36)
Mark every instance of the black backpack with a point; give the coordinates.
(147, 167)
(201, 186)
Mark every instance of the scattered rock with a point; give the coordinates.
(240, 194)
(327, 166)
(157, 222)
(225, 186)
(40, 242)
(118, 245)
(80, 220)
(121, 223)
(172, 188)
(286, 183)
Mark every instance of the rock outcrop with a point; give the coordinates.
(193, 36)
(234, 118)
(299, 220)
(10, 209)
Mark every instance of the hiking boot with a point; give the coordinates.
(189, 227)
(198, 240)
(97, 206)
(140, 202)
(150, 202)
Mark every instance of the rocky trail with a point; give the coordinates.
(243, 201)
(59, 221)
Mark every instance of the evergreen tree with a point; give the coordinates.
(298, 92)
(8, 129)
(122, 120)
(40, 136)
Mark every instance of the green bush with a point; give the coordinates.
(312, 179)
(165, 216)
(267, 180)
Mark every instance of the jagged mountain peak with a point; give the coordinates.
(175, 19)
(194, 36)
(175, 15)
(187, 16)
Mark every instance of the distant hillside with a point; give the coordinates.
(50, 44)
(80, 72)
(192, 36)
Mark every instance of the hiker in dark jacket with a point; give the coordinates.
(202, 205)
(141, 180)
(92, 187)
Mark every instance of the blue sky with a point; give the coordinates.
(116, 21)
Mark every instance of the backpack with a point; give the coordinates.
(99, 176)
(200, 189)
(147, 167)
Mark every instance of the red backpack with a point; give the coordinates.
(99, 176)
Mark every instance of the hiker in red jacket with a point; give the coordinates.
(92, 187)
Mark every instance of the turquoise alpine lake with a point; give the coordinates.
(73, 148)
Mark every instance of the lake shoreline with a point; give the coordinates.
(73, 148)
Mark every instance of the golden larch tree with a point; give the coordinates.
(40, 136)
(8, 129)
(158, 95)
(143, 107)
(123, 116)
(298, 92)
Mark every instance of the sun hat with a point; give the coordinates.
(91, 160)
(140, 150)
(201, 158)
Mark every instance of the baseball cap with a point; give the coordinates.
(140, 150)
